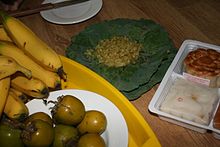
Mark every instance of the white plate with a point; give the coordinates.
(116, 133)
(73, 13)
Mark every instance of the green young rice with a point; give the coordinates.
(115, 52)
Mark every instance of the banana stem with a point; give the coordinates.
(4, 16)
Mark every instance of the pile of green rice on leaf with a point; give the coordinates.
(145, 65)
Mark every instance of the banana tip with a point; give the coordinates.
(45, 92)
(22, 117)
(58, 86)
(61, 73)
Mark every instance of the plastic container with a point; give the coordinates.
(176, 70)
(80, 77)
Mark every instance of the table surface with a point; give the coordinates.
(185, 19)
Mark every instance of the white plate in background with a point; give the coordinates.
(116, 133)
(73, 13)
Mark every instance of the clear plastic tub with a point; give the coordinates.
(176, 70)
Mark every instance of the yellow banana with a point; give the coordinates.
(15, 109)
(3, 35)
(4, 89)
(32, 87)
(33, 46)
(9, 66)
(20, 94)
(51, 79)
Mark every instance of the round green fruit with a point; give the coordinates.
(10, 137)
(37, 133)
(69, 110)
(65, 136)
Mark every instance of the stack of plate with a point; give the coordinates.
(72, 14)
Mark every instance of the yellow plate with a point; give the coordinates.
(80, 77)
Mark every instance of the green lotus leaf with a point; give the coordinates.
(156, 47)
(155, 79)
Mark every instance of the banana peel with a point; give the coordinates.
(15, 108)
(33, 87)
(4, 90)
(8, 67)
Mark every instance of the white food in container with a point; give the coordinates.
(190, 101)
(193, 114)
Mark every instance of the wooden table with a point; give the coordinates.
(185, 19)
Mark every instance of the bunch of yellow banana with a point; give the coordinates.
(8, 67)
(32, 45)
(51, 79)
(41, 67)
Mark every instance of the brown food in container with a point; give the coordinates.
(204, 63)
